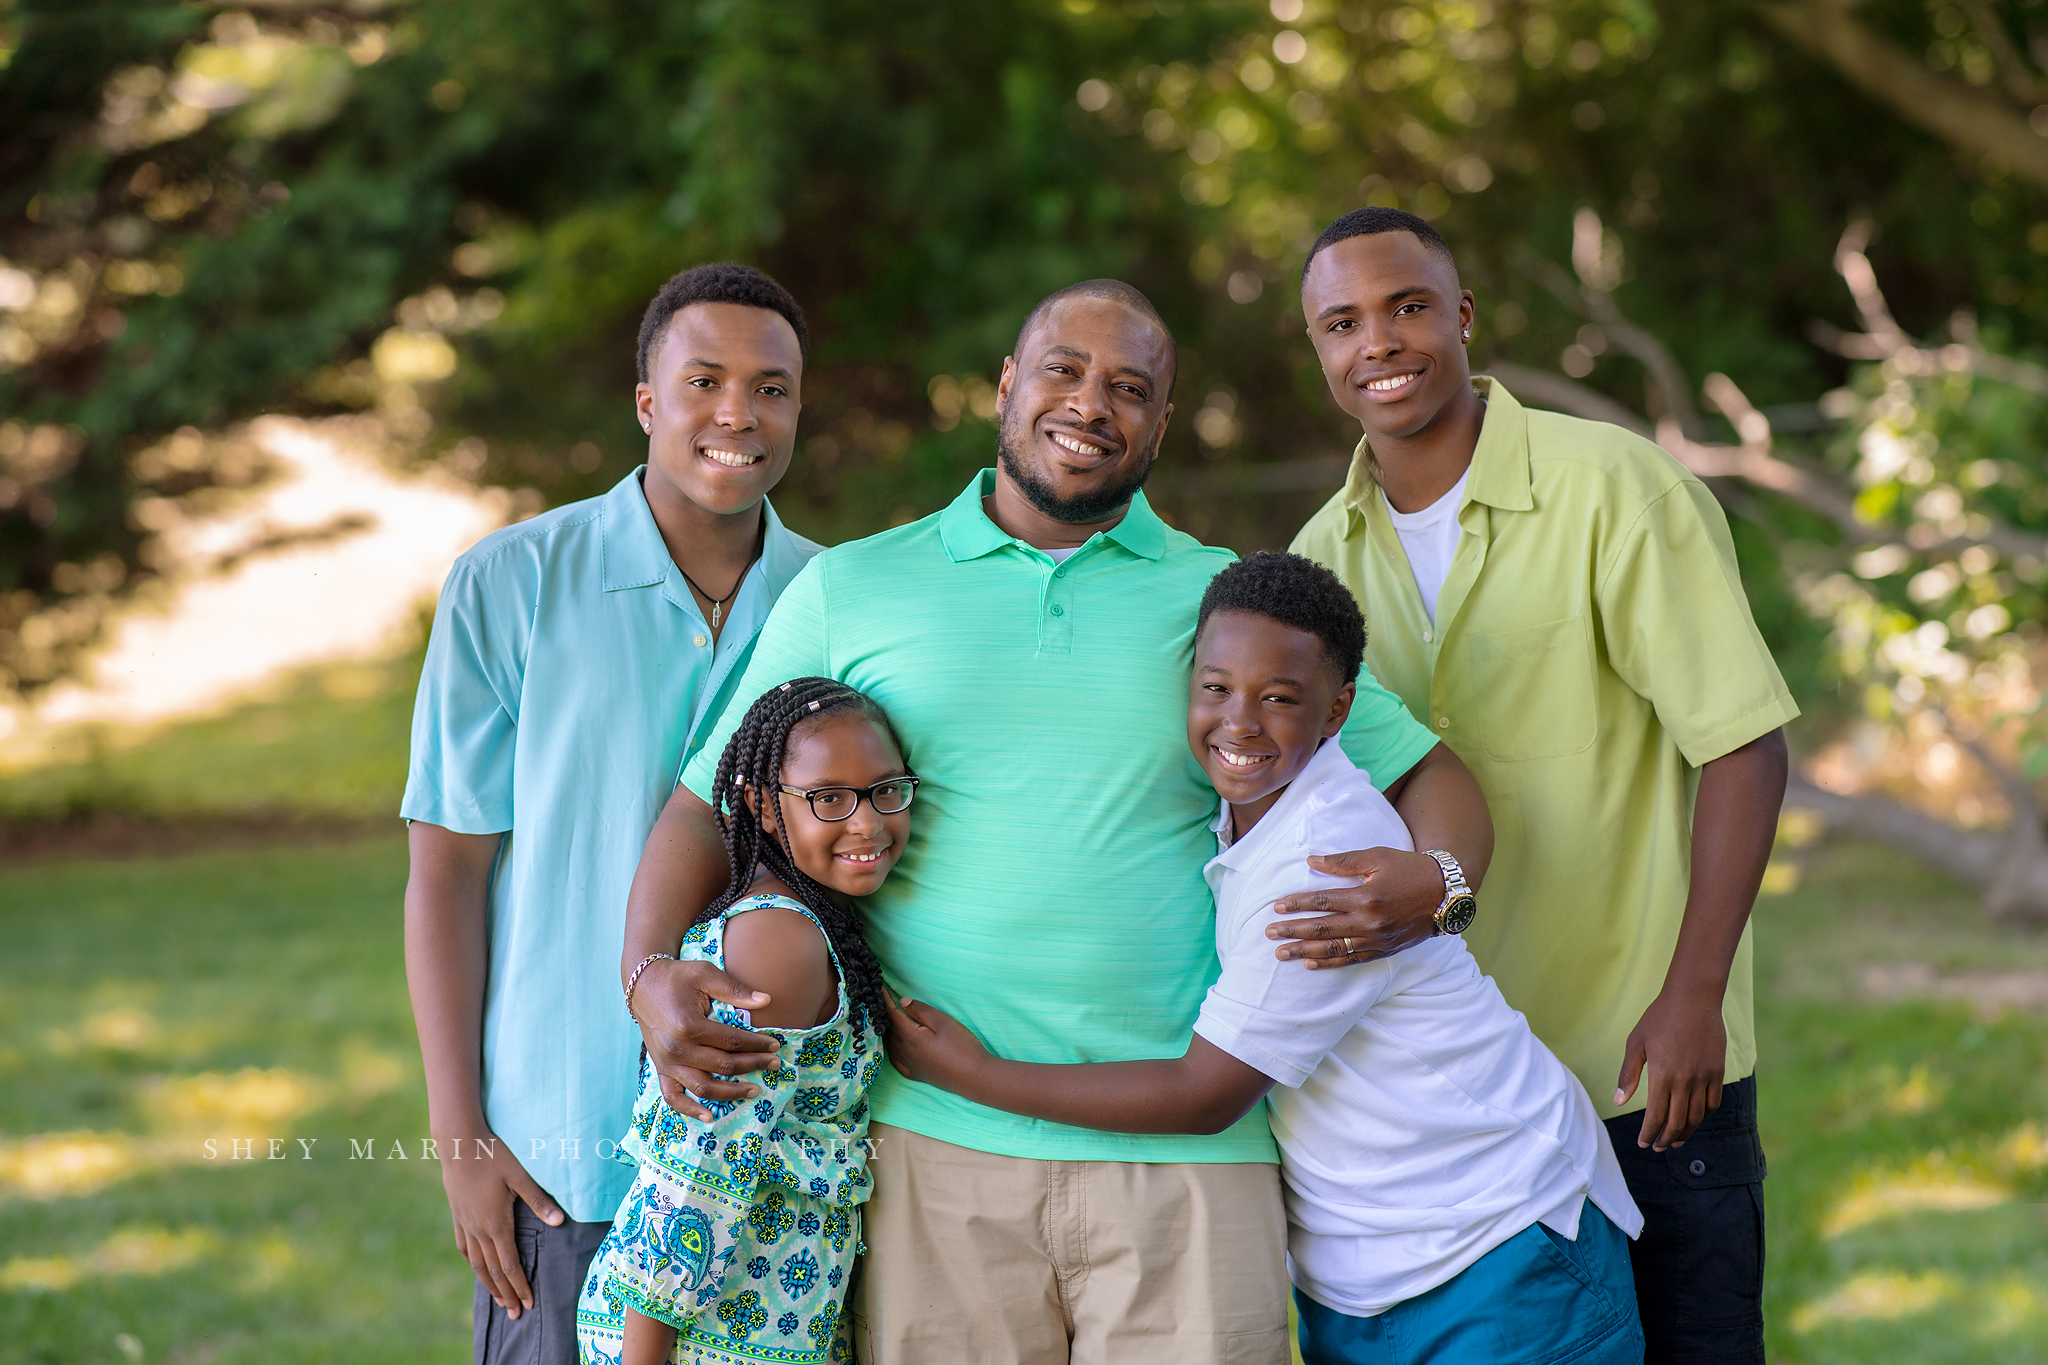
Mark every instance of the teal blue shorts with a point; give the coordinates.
(1535, 1299)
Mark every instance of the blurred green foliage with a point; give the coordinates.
(450, 216)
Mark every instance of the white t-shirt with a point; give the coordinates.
(1059, 556)
(1420, 1123)
(1430, 538)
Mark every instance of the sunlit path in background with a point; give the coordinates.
(331, 560)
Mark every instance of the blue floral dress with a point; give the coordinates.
(741, 1232)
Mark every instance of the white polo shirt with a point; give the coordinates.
(1420, 1123)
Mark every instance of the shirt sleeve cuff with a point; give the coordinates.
(1406, 756)
(1230, 1038)
(1700, 750)
(460, 817)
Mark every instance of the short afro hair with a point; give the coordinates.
(1367, 221)
(1116, 291)
(724, 282)
(1295, 592)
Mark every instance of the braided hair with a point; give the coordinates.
(753, 761)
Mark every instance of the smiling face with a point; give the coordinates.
(842, 749)
(720, 405)
(1262, 699)
(1388, 321)
(1083, 407)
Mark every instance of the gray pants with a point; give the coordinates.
(555, 1261)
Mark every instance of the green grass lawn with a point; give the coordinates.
(1908, 1141)
(145, 1005)
(151, 1004)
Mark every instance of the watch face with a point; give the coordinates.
(1457, 917)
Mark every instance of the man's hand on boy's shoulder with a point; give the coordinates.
(1394, 904)
(1392, 907)
(691, 1051)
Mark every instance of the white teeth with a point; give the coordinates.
(1388, 385)
(1078, 447)
(734, 458)
(874, 857)
(1242, 760)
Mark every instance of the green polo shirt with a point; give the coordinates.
(1051, 897)
(1592, 651)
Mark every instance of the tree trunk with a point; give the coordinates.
(2010, 867)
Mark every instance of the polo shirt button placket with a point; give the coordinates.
(1056, 628)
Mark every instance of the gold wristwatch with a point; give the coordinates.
(1460, 907)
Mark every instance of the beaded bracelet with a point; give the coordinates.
(634, 979)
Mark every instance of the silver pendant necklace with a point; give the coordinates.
(718, 603)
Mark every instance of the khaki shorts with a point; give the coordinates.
(993, 1259)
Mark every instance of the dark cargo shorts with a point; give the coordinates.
(1700, 1261)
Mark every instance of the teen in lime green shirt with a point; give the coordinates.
(1588, 651)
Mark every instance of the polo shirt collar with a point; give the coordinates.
(635, 555)
(967, 533)
(1499, 474)
(1330, 762)
(782, 556)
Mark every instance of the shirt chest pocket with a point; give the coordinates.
(1534, 690)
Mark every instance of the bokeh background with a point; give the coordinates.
(297, 300)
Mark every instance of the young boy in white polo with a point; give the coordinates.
(577, 661)
(1451, 1194)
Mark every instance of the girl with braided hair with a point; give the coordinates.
(738, 1235)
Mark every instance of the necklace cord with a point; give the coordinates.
(718, 603)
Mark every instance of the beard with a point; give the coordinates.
(1094, 505)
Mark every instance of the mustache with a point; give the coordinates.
(1040, 491)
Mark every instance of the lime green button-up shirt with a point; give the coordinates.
(1592, 650)
(1051, 897)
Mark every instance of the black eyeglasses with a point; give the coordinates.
(839, 803)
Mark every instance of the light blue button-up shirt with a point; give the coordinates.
(569, 677)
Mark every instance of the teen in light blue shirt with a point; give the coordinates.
(577, 661)
(570, 676)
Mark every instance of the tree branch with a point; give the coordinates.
(1547, 390)
(2020, 80)
(1589, 300)
(1970, 856)
(1753, 460)
(1960, 115)
(1883, 339)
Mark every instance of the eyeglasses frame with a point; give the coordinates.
(859, 794)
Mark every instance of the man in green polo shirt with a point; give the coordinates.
(1031, 643)
(1558, 600)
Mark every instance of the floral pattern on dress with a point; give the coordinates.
(741, 1232)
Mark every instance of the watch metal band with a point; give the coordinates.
(1456, 889)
